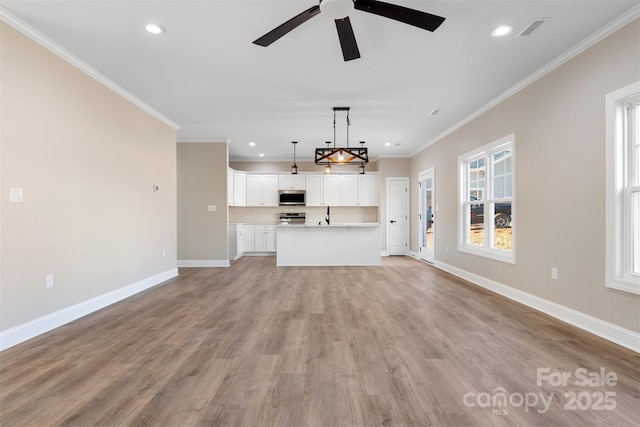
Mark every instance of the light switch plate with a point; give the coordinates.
(211, 208)
(16, 195)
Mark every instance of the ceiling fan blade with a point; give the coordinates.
(347, 39)
(291, 24)
(413, 17)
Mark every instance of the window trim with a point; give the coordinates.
(486, 150)
(618, 273)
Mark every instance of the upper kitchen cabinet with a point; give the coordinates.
(229, 187)
(262, 190)
(291, 182)
(359, 190)
(236, 188)
(349, 190)
(315, 190)
(367, 190)
(323, 190)
(342, 190)
(332, 190)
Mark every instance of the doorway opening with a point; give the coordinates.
(426, 181)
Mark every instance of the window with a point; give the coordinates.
(486, 211)
(623, 189)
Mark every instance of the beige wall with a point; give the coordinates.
(87, 160)
(559, 124)
(202, 181)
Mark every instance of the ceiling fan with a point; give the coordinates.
(339, 11)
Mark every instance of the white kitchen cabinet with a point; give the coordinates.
(262, 190)
(229, 187)
(239, 189)
(249, 238)
(314, 190)
(323, 190)
(291, 182)
(231, 241)
(331, 191)
(368, 190)
(265, 238)
(254, 190)
(359, 190)
(240, 239)
(342, 190)
(349, 190)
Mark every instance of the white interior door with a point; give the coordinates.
(427, 219)
(397, 216)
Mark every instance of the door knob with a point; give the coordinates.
(393, 221)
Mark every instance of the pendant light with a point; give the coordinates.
(361, 167)
(294, 166)
(330, 156)
(327, 168)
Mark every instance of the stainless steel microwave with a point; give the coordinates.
(292, 198)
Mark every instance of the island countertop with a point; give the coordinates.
(341, 244)
(342, 224)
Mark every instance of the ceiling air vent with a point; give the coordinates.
(533, 27)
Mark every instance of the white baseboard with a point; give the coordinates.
(601, 328)
(43, 324)
(204, 263)
(384, 253)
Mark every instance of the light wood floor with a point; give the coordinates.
(258, 345)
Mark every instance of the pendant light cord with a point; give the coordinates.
(348, 124)
(334, 129)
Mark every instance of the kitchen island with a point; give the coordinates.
(329, 245)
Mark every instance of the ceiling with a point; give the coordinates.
(205, 75)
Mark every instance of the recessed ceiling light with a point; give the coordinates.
(502, 30)
(252, 144)
(155, 29)
(261, 154)
(434, 112)
(387, 144)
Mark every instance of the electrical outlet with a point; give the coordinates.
(49, 281)
(554, 273)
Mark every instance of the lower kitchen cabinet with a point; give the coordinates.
(240, 230)
(265, 238)
(249, 238)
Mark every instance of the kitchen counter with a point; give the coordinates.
(345, 224)
(346, 244)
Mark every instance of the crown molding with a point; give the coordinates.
(58, 50)
(606, 31)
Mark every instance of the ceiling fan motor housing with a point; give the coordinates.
(336, 9)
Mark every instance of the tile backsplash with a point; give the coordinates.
(270, 215)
